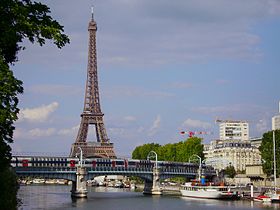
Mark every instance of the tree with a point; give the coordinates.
(186, 150)
(19, 19)
(181, 151)
(266, 150)
(22, 19)
(167, 152)
(230, 171)
(9, 88)
(141, 152)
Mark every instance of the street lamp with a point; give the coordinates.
(151, 155)
(81, 156)
(199, 170)
(274, 158)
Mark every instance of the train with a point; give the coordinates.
(69, 162)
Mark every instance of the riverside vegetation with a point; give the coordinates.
(20, 19)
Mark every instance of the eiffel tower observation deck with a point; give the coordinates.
(92, 114)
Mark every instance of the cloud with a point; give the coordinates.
(190, 123)
(69, 131)
(232, 110)
(39, 114)
(186, 31)
(132, 91)
(217, 109)
(262, 126)
(56, 90)
(130, 118)
(183, 85)
(37, 132)
(168, 32)
(21, 133)
(155, 126)
(117, 131)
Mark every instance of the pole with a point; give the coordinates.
(274, 158)
(148, 157)
(81, 157)
(199, 170)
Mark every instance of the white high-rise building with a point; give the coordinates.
(234, 130)
(276, 120)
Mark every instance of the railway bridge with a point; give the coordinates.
(79, 171)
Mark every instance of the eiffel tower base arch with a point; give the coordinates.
(93, 150)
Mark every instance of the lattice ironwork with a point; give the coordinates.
(92, 114)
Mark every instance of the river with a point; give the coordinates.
(101, 198)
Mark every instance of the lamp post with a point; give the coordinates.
(274, 158)
(152, 154)
(81, 156)
(199, 170)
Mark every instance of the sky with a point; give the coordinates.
(163, 67)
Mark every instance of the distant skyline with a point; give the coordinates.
(163, 67)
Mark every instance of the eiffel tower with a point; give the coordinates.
(92, 114)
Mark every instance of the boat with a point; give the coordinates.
(208, 191)
(38, 181)
(274, 194)
(50, 181)
(262, 198)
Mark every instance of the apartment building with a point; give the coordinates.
(233, 148)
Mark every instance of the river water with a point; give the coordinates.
(101, 198)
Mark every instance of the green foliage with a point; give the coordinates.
(141, 152)
(9, 88)
(266, 150)
(178, 179)
(22, 19)
(168, 152)
(19, 20)
(187, 149)
(8, 189)
(136, 180)
(230, 171)
(181, 152)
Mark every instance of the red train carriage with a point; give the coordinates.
(72, 163)
(25, 163)
(94, 163)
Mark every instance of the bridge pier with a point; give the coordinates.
(79, 188)
(153, 187)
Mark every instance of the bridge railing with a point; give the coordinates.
(103, 169)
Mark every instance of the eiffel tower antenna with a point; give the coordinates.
(92, 17)
(92, 114)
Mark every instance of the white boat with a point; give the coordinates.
(275, 194)
(38, 181)
(262, 198)
(132, 186)
(209, 192)
(50, 181)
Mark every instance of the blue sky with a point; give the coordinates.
(164, 66)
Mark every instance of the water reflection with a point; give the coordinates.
(229, 204)
(59, 197)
